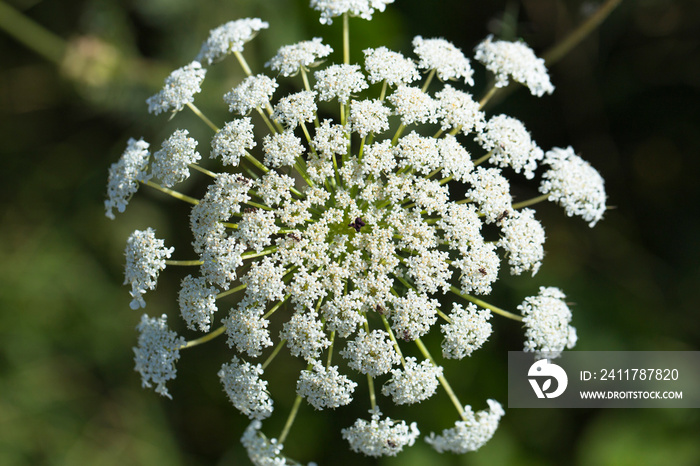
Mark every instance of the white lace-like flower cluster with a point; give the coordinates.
(471, 433)
(338, 239)
(547, 321)
(156, 353)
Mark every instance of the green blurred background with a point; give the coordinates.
(627, 99)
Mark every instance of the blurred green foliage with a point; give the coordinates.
(626, 99)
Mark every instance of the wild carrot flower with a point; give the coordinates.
(349, 232)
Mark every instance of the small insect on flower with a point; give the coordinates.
(357, 224)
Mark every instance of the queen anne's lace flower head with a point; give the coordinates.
(345, 209)
(231, 142)
(333, 8)
(523, 240)
(442, 56)
(386, 437)
(324, 387)
(292, 58)
(384, 65)
(125, 175)
(254, 92)
(574, 184)
(517, 61)
(471, 433)
(246, 390)
(179, 89)
(547, 321)
(197, 303)
(229, 38)
(466, 332)
(171, 162)
(145, 258)
(157, 352)
(510, 145)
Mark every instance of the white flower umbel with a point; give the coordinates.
(125, 175)
(179, 89)
(246, 390)
(413, 105)
(231, 142)
(261, 450)
(466, 332)
(305, 336)
(572, 183)
(303, 55)
(282, 149)
(333, 8)
(523, 240)
(324, 387)
(246, 327)
(384, 65)
(372, 354)
(413, 315)
(491, 191)
(413, 384)
(386, 437)
(339, 82)
(458, 109)
(510, 145)
(197, 302)
(368, 116)
(339, 213)
(547, 321)
(229, 38)
(442, 56)
(254, 92)
(157, 352)
(514, 60)
(296, 109)
(171, 162)
(471, 433)
(145, 258)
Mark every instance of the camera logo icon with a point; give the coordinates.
(546, 371)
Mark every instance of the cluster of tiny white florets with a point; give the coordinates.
(471, 433)
(156, 353)
(574, 184)
(517, 61)
(171, 162)
(145, 258)
(125, 176)
(386, 437)
(333, 8)
(325, 387)
(466, 332)
(547, 320)
(245, 389)
(344, 233)
(179, 90)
